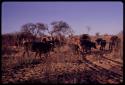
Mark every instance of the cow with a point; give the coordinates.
(114, 42)
(118, 41)
(85, 36)
(87, 45)
(101, 42)
(39, 47)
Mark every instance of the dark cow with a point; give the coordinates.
(101, 42)
(87, 45)
(39, 47)
(85, 36)
(118, 42)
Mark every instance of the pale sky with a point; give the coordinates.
(102, 17)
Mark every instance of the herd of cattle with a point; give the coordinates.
(84, 45)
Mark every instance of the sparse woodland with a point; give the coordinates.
(63, 65)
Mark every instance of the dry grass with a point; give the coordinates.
(62, 67)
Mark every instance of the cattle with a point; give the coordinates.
(85, 36)
(101, 42)
(111, 45)
(118, 42)
(52, 42)
(114, 42)
(87, 45)
(39, 47)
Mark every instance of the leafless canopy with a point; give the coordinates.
(35, 29)
(61, 27)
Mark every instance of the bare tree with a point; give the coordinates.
(28, 28)
(37, 29)
(41, 28)
(61, 27)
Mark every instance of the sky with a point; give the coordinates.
(103, 17)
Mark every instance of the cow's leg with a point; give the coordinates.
(90, 49)
(40, 55)
(27, 53)
(100, 47)
(104, 48)
(36, 54)
(117, 44)
(52, 48)
(109, 46)
(77, 51)
(23, 53)
(46, 55)
(86, 50)
(82, 49)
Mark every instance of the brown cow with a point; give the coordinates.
(114, 42)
